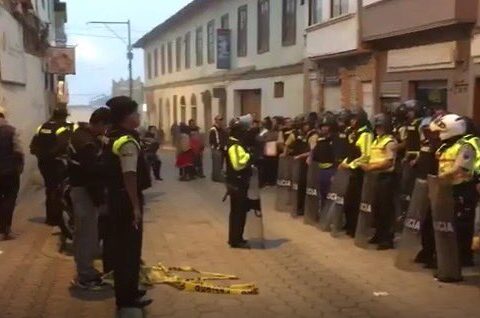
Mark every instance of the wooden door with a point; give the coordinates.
(252, 102)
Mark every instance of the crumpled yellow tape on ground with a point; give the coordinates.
(160, 274)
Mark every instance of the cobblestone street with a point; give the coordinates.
(301, 273)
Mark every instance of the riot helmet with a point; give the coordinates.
(449, 126)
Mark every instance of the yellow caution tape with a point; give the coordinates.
(160, 274)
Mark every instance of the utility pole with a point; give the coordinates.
(130, 60)
(129, 47)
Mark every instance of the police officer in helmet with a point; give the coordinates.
(129, 175)
(360, 140)
(323, 155)
(340, 135)
(382, 161)
(427, 164)
(50, 145)
(458, 160)
(239, 171)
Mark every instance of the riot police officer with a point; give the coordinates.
(382, 162)
(50, 145)
(323, 154)
(412, 145)
(301, 143)
(340, 135)
(128, 177)
(427, 164)
(458, 158)
(239, 162)
(360, 140)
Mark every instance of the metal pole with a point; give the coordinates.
(130, 59)
(129, 49)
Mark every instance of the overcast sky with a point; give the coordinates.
(100, 56)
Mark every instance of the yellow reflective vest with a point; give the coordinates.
(378, 150)
(448, 156)
(118, 144)
(239, 158)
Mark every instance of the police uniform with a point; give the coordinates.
(324, 156)
(301, 143)
(427, 164)
(124, 155)
(85, 170)
(359, 148)
(382, 150)
(238, 176)
(412, 151)
(340, 145)
(50, 146)
(462, 155)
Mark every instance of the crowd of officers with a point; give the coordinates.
(407, 142)
(106, 165)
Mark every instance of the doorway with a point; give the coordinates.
(251, 102)
(221, 94)
(175, 109)
(207, 109)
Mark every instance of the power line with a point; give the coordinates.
(95, 35)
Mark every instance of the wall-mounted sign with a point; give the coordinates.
(224, 49)
(61, 60)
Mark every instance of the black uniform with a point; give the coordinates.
(301, 146)
(340, 145)
(11, 165)
(127, 239)
(50, 146)
(324, 155)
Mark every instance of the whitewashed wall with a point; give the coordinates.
(26, 110)
(277, 55)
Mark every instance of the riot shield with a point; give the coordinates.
(283, 201)
(312, 200)
(365, 229)
(217, 166)
(331, 216)
(411, 241)
(254, 224)
(448, 261)
(298, 186)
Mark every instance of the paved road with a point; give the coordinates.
(302, 273)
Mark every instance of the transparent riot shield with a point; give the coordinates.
(254, 224)
(298, 186)
(448, 261)
(411, 242)
(217, 166)
(331, 216)
(365, 224)
(283, 201)
(312, 200)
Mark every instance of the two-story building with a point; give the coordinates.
(228, 58)
(425, 50)
(341, 71)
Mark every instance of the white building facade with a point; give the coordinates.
(256, 68)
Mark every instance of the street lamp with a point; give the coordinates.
(129, 47)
